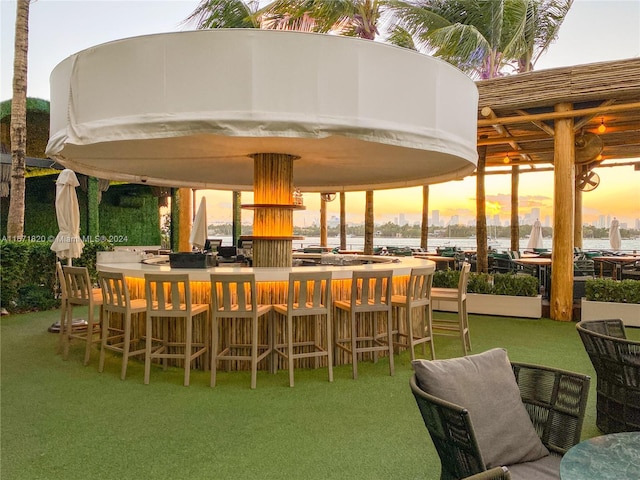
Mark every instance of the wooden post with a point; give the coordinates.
(368, 223)
(343, 221)
(424, 231)
(184, 219)
(515, 220)
(482, 265)
(273, 225)
(236, 225)
(323, 221)
(577, 229)
(563, 220)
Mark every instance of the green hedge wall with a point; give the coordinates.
(28, 273)
(128, 214)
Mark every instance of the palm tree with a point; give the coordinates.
(482, 38)
(15, 220)
(225, 14)
(354, 18)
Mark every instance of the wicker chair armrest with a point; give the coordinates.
(556, 401)
(450, 428)
(496, 473)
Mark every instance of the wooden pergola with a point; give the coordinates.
(549, 120)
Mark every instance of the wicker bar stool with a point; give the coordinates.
(117, 305)
(313, 299)
(80, 292)
(234, 298)
(370, 296)
(164, 302)
(418, 297)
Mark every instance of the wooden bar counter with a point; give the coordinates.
(271, 281)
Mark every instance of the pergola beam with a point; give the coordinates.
(594, 111)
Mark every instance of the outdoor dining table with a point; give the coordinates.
(543, 267)
(440, 260)
(607, 457)
(617, 262)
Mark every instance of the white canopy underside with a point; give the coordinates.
(189, 108)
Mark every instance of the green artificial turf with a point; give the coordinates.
(62, 420)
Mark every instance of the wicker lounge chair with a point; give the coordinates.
(555, 401)
(616, 361)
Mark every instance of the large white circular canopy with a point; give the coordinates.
(188, 109)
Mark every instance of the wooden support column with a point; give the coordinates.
(343, 221)
(482, 254)
(368, 223)
(185, 216)
(563, 220)
(515, 220)
(424, 231)
(272, 224)
(236, 223)
(577, 229)
(323, 221)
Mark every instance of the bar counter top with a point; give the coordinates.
(401, 266)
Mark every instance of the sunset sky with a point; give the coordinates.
(594, 30)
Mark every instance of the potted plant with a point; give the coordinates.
(507, 294)
(609, 299)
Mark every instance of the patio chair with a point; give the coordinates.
(483, 411)
(308, 307)
(416, 301)
(80, 292)
(119, 309)
(234, 298)
(169, 303)
(370, 298)
(616, 361)
(458, 327)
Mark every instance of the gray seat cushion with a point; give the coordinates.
(545, 468)
(485, 385)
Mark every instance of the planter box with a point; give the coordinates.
(629, 313)
(502, 305)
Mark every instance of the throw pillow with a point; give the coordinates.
(485, 385)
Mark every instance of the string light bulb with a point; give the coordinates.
(602, 127)
(506, 159)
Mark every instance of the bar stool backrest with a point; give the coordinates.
(234, 295)
(168, 295)
(371, 291)
(62, 282)
(78, 285)
(314, 292)
(115, 293)
(463, 281)
(419, 286)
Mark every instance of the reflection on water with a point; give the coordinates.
(357, 243)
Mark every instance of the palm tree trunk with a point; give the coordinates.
(368, 223)
(323, 221)
(236, 225)
(424, 231)
(515, 221)
(482, 265)
(343, 221)
(15, 220)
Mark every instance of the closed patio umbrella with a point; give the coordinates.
(535, 239)
(614, 234)
(68, 243)
(198, 235)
